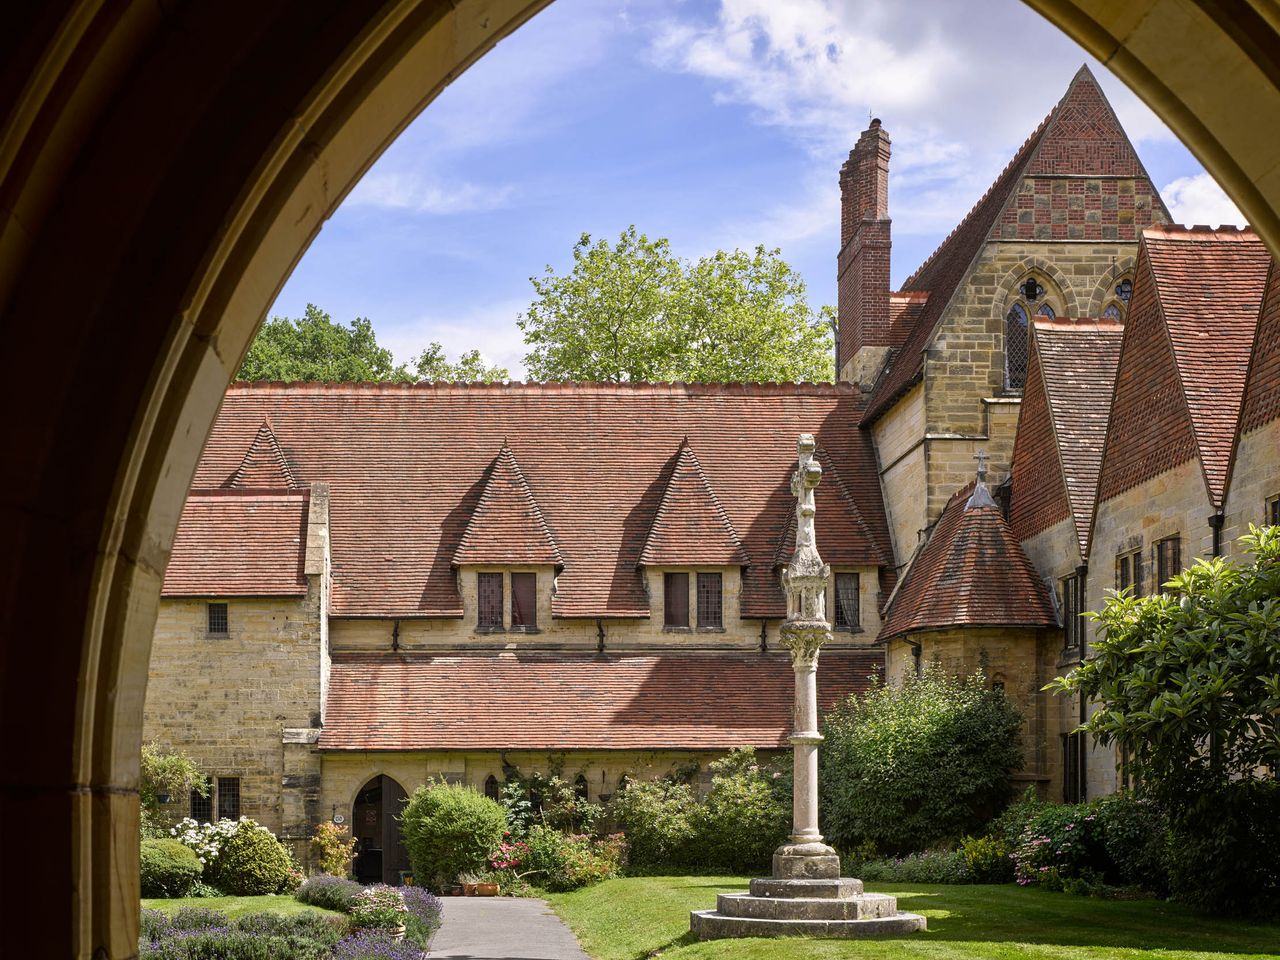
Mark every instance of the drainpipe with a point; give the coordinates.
(1215, 524)
(599, 635)
(764, 636)
(395, 635)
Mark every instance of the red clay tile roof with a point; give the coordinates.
(567, 702)
(970, 572)
(1188, 338)
(1262, 392)
(506, 525)
(234, 544)
(406, 466)
(264, 464)
(1062, 425)
(1080, 138)
(844, 523)
(690, 526)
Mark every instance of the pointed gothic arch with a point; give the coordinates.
(380, 855)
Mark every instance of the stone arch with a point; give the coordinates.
(1103, 292)
(113, 117)
(380, 852)
(1060, 291)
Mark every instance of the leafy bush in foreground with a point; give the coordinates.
(450, 830)
(560, 861)
(657, 818)
(167, 868)
(745, 816)
(252, 862)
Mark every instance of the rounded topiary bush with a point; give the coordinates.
(252, 862)
(450, 830)
(168, 868)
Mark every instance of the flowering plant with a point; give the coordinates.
(206, 839)
(379, 906)
(509, 855)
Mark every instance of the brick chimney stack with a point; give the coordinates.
(863, 262)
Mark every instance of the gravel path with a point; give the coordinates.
(502, 928)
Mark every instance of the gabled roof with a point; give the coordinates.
(407, 466)
(970, 572)
(1262, 388)
(507, 525)
(1081, 138)
(1062, 424)
(843, 524)
(264, 465)
(565, 702)
(1187, 343)
(690, 526)
(239, 544)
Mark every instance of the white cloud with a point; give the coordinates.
(1199, 199)
(489, 327)
(425, 193)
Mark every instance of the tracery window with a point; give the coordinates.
(1113, 312)
(1046, 311)
(1015, 347)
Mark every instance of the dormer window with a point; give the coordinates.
(675, 601)
(848, 616)
(524, 601)
(710, 602)
(489, 601)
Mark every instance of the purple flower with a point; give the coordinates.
(375, 945)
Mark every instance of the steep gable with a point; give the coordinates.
(264, 465)
(507, 526)
(1062, 425)
(970, 572)
(690, 526)
(1262, 389)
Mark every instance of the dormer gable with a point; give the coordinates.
(841, 530)
(507, 525)
(691, 526)
(264, 465)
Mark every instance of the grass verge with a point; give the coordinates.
(640, 917)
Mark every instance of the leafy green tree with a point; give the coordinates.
(907, 766)
(433, 365)
(165, 775)
(315, 347)
(635, 311)
(1187, 686)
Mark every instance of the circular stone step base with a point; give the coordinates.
(839, 889)
(710, 925)
(867, 906)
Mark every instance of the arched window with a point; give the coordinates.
(1113, 311)
(491, 787)
(1046, 311)
(1124, 289)
(1015, 347)
(580, 787)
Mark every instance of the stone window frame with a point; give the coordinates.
(229, 792)
(1073, 635)
(668, 624)
(708, 576)
(1164, 567)
(203, 813)
(692, 573)
(1059, 294)
(485, 608)
(836, 626)
(217, 613)
(1271, 511)
(531, 627)
(1130, 563)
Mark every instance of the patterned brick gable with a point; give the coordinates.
(507, 525)
(971, 572)
(407, 466)
(690, 526)
(264, 465)
(239, 544)
(1262, 391)
(1188, 337)
(567, 702)
(1077, 177)
(1062, 425)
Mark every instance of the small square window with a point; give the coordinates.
(675, 600)
(847, 613)
(228, 798)
(710, 602)
(489, 601)
(202, 807)
(1168, 560)
(217, 619)
(524, 601)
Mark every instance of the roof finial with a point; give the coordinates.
(981, 495)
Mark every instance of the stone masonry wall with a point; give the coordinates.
(900, 452)
(953, 461)
(1255, 480)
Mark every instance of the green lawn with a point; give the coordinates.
(640, 917)
(235, 906)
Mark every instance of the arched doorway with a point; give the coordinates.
(375, 826)
(162, 167)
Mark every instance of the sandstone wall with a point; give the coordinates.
(899, 438)
(1255, 481)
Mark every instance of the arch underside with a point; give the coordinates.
(162, 169)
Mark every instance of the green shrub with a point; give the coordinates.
(251, 862)
(168, 868)
(921, 763)
(1013, 820)
(332, 848)
(657, 818)
(1135, 836)
(560, 861)
(987, 859)
(1065, 839)
(932, 866)
(332, 893)
(745, 815)
(450, 830)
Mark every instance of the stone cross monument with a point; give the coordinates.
(806, 896)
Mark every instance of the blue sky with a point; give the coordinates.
(714, 124)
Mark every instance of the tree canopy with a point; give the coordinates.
(315, 347)
(635, 311)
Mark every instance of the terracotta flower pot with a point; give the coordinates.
(469, 889)
(453, 890)
(486, 889)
